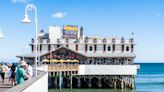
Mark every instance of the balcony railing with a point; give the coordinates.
(64, 67)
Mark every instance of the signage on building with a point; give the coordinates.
(70, 31)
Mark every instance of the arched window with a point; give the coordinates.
(127, 48)
(109, 49)
(90, 48)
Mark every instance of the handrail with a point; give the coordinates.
(26, 84)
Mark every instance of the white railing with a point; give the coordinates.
(107, 70)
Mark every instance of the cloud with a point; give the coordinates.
(19, 1)
(23, 1)
(1, 34)
(59, 15)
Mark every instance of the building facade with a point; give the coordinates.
(75, 60)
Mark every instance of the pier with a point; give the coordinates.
(105, 81)
(6, 85)
(73, 76)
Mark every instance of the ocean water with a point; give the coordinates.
(150, 78)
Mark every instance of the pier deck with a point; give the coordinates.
(6, 85)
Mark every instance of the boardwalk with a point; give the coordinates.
(6, 85)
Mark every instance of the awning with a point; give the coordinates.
(61, 60)
(45, 60)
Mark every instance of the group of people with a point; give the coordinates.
(18, 73)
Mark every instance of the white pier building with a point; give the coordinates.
(75, 60)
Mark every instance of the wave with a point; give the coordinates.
(151, 83)
(150, 76)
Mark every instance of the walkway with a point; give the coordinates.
(6, 85)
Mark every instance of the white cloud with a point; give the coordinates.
(19, 1)
(1, 33)
(59, 14)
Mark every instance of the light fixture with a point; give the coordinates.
(26, 19)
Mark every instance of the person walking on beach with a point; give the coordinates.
(21, 74)
(2, 70)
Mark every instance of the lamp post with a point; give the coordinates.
(26, 20)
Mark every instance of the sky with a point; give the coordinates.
(145, 18)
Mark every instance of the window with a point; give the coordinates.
(90, 61)
(104, 40)
(76, 47)
(95, 47)
(127, 48)
(122, 47)
(66, 40)
(104, 47)
(40, 48)
(109, 49)
(90, 48)
(86, 47)
(67, 45)
(86, 40)
(49, 47)
(132, 48)
(113, 47)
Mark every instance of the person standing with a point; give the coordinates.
(29, 70)
(9, 72)
(13, 73)
(2, 70)
(21, 74)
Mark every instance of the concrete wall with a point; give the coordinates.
(38, 83)
(41, 85)
(43, 68)
(107, 70)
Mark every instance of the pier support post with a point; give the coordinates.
(115, 84)
(122, 84)
(55, 82)
(59, 81)
(71, 81)
(78, 83)
(89, 82)
(132, 83)
(99, 82)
